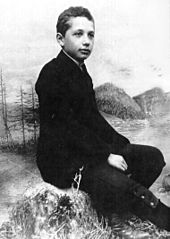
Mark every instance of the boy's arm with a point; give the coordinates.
(104, 130)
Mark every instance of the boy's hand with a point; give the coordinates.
(117, 161)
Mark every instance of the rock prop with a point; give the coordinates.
(113, 100)
(47, 212)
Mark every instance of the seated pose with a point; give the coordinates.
(73, 134)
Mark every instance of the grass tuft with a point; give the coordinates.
(46, 212)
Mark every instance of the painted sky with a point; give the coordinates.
(132, 43)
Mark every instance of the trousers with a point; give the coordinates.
(112, 190)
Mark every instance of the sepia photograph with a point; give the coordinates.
(84, 119)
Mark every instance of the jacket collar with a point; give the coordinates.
(77, 63)
(68, 61)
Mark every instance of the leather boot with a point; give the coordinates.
(160, 215)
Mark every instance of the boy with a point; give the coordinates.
(73, 134)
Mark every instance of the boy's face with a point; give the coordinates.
(79, 38)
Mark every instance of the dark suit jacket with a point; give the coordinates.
(72, 131)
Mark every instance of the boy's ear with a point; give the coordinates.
(60, 39)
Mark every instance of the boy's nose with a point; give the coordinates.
(86, 40)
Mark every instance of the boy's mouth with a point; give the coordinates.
(85, 51)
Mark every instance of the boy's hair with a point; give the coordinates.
(63, 19)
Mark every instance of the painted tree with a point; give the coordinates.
(16, 117)
(4, 110)
(31, 112)
(24, 117)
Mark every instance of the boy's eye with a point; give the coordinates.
(78, 34)
(91, 35)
